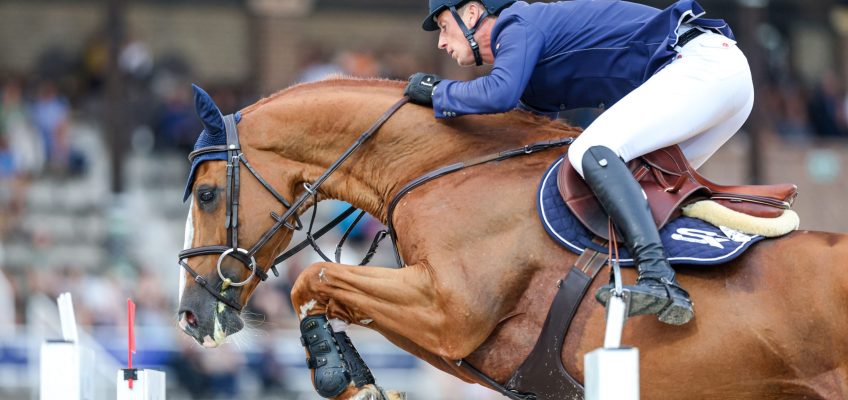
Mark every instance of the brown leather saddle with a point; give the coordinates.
(670, 183)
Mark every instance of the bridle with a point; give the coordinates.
(247, 256)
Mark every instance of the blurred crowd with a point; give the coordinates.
(38, 113)
(39, 109)
(805, 113)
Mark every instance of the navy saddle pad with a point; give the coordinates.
(686, 240)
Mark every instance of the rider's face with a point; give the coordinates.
(452, 40)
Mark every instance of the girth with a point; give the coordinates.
(542, 375)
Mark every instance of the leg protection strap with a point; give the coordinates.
(359, 371)
(330, 373)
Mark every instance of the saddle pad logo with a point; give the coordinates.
(735, 235)
(692, 235)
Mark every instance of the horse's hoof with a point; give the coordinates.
(395, 395)
(373, 392)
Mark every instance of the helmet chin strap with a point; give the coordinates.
(469, 33)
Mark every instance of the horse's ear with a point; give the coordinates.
(208, 112)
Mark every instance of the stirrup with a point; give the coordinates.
(330, 375)
(670, 309)
(679, 308)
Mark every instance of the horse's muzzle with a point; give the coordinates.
(205, 319)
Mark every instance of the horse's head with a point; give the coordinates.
(228, 248)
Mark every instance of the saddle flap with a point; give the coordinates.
(581, 201)
(665, 204)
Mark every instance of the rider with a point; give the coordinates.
(665, 77)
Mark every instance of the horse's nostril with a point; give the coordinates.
(191, 319)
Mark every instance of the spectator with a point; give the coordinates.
(176, 126)
(50, 115)
(826, 108)
(16, 130)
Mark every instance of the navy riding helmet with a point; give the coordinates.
(493, 7)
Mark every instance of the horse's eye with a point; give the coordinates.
(207, 196)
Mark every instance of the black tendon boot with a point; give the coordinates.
(330, 375)
(359, 371)
(656, 290)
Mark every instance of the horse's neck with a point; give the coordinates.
(314, 127)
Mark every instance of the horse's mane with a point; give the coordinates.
(516, 118)
(336, 80)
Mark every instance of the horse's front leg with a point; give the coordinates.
(337, 369)
(400, 303)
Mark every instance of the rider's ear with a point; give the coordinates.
(208, 112)
(473, 14)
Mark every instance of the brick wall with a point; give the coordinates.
(26, 30)
(212, 39)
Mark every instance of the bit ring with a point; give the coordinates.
(252, 266)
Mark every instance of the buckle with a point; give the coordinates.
(309, 325)
(315, 362)
(322, 347)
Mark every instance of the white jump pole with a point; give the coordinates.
(148, 384)
(64, 362)
(134, 383)
(612, 372)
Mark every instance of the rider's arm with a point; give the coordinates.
(517, 48)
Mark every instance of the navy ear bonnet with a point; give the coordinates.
(213, 133)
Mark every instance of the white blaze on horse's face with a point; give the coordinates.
(188, 239)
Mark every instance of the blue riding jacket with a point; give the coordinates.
(551, 57)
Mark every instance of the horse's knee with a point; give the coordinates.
(304, 295)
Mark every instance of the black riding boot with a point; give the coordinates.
(656, 290)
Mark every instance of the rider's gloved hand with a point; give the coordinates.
(420, 88)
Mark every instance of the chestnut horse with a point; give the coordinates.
(480, 270)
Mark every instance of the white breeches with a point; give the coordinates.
(698, 102)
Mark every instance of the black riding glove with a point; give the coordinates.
(420, 88)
